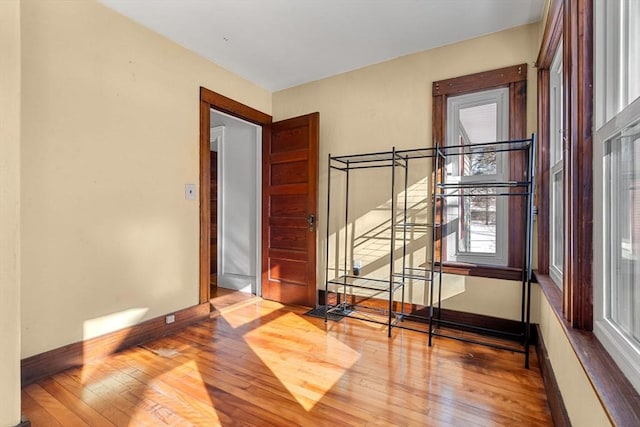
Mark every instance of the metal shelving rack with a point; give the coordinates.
(431, 275)
(522, 187)
(348, 282)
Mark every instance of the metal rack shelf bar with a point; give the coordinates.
(444, 196)
(508, 145)
(363, 287)
(373, 166)
(408, 270)
(414, 277)
(373, 284)
(366, 157)
(482, 185)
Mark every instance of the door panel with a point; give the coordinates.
(293, 139)
(290, 193)
(288, 237)
(289, 173)
(294, 205)
(289, 270)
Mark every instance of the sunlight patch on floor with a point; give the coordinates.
(309, 365)
(196, 407)
(239, 315)
(98, 326)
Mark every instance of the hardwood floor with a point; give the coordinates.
(261, 363)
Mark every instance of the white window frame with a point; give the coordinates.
(454, 104)
(557, 137)
(614, 114)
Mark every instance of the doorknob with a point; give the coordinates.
(311, 220)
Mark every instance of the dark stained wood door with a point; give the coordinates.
(290, 194)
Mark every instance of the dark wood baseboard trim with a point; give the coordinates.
(43, 365)
(620, 400)
(477, 320)
(24, 422)
(554, 397)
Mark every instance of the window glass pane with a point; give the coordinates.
(479, 124)
(556, 121)
(633, 50)
(476, 223)
(622, 188)
(556, 107)
(477, 230)
(557, 220)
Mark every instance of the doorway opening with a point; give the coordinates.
(235, 195)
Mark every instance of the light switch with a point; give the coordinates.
(190, 192)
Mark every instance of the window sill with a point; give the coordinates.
(619, 399)
(480, 270)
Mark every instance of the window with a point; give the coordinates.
(485, 233)
(476, 219)
(617, 184)
(556, 146)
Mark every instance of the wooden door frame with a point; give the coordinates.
(209, 100)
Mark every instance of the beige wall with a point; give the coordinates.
(582, 403)
(10, 213)
(110, 137)
(389, 104)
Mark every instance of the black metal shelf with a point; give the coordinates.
(482, 185)
(416, 273)
(401, 226)
(504, 188)
(416, 225)
(368, 283)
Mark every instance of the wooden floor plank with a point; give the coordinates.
(37, 414)
(260, 363)
(54, 407)
(77, 406)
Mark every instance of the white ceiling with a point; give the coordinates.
(283, 43)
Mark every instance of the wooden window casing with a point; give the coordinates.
(571, 21)
(514, 78)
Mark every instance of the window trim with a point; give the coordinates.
(550, 42)
(571, 21)
(578, 164)
(454, 103)
(555, 165)
(514, 78)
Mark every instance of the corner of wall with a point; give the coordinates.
(10, 70)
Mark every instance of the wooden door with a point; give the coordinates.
(290, 193)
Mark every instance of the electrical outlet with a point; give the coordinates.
(170, 319)
(190, 192)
